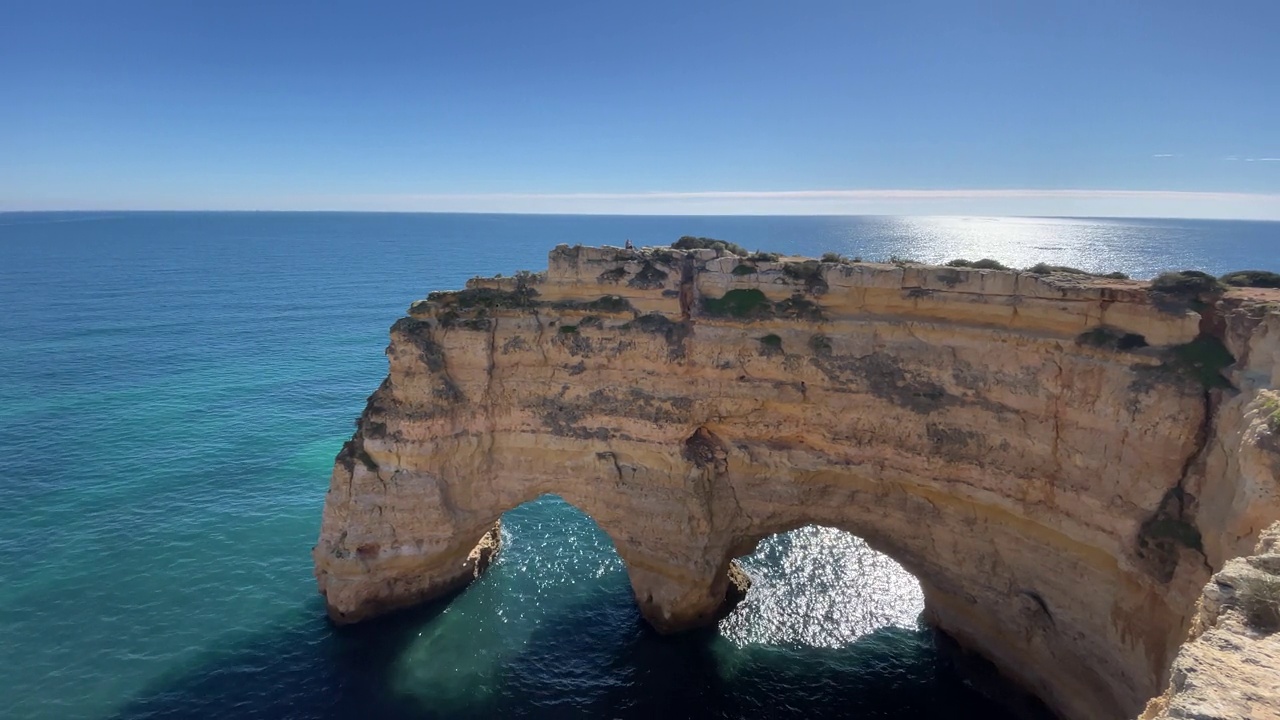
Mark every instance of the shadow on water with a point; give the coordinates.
(591, 659)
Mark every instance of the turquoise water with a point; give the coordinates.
(174, 386)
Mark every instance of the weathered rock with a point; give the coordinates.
(1061, 497)
(1229, 668)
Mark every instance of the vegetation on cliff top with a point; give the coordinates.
(689, 242)
(983, 264)
(1252, 278)
(1187, 284)
(1045, 269)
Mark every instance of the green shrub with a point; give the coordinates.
(609, 303)
(744, 269)
(771, 344)
(809, 272)
(820, 344)
(759, 256)
(739, 304)
(522, 296)
(568, 329)
(1271, 406)
(1045, 268)
(1259, 598)
(983, 264)
(689, 242)
(1204, 359)
(832, 257)
(1252, 278)
(1190, 284)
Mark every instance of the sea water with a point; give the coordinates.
(174, 387)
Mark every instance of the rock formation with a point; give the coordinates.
(1062, 461)
(1229, 668)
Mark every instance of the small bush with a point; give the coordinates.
(1252, 278)
(1045, 269)
(744, 269)
(523, 296)
(809, 272)
(820, 345)
(1204, 359)
(1260, 600)
(649, 277)
(1187, 284)
(983, 264)
(771, 344)
(568, 329)
(758, 256)
(688, 242)
(739, 304)
(1271, 407)
(609, 303)
(835, 258)
(899, 260)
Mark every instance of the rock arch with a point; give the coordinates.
(1060, 496)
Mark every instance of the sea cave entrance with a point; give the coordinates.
(819, 586)
(828, 629)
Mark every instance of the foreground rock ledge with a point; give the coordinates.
(1062, 461)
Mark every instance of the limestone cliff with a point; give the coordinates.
(1060, 460)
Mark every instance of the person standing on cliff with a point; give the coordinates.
(629, 246)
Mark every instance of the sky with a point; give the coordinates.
(1140, 107)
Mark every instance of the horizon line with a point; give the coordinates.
(1012, 202)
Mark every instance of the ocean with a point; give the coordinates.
(173, 390)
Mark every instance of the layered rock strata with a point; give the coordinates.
(1061, 461)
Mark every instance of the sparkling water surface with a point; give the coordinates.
(174, 387)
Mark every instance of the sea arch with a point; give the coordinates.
(1051, 458)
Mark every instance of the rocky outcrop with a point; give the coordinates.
(1060, 460)
(1229, 668)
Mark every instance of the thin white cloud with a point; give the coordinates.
(1164, 155)
(1013, 201)
(1268, 159)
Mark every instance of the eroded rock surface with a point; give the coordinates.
(1061, 461)
(1229, 668)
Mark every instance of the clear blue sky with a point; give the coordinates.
(593, 106)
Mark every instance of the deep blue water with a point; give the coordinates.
(174, 386)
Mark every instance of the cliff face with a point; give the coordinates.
(1051, 456)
